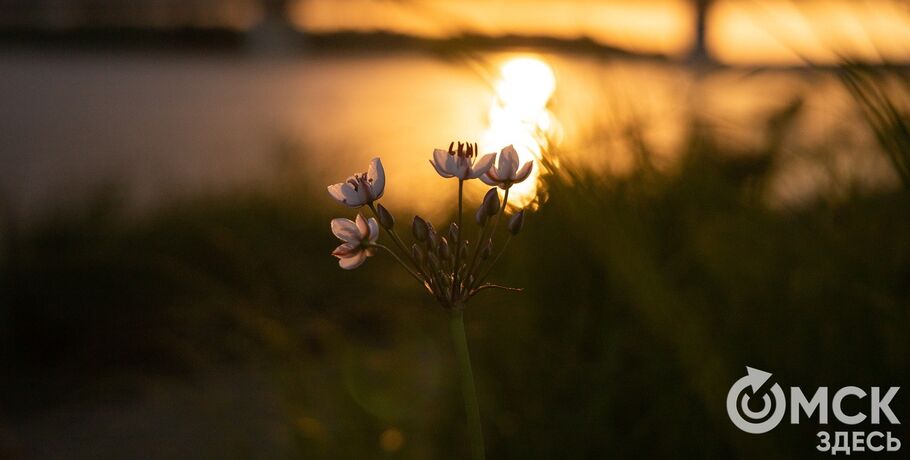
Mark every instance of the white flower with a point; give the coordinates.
(361, 189)
(461, 163)
(506, 172)
(358, 240)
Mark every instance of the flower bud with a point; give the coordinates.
(516, 222)
(385, 217)
(487, 251)
(432, 238)
(444, 252)
(417, 254)
(453, 232)
(433, 261)
(491, 202)
(419, 229)
(463, 251)
(481, 216)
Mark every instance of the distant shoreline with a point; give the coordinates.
(232, 41)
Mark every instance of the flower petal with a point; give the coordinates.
(376, 178)
(486, 179)
(462, 167)
(440, 170)
(482, 165)
(346, 230)
(374, 230)
(336, 193)
(494, 174)
(508, 162)
(352, 262)
(362, 228)
(353, 198)
(523, 173)
(345, 250)
(451, 164)
(439, 157)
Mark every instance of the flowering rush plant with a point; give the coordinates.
(448, 266)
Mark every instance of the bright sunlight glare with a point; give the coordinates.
(519, 116)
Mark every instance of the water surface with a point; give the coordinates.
(167, 125)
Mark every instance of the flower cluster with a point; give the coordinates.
(449, 266)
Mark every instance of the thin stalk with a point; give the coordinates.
(458, 239)
(495, 286)
(472, 410)
(484, 239)
(397, 240)
(401, 262)
(394, 236)
(481, 238)
(460, 199)
(502, 210)
(425, 280)
(489, 269)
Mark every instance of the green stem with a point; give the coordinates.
(472, 410)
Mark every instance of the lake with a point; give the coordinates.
(164, 125)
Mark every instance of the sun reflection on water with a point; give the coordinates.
(519, 115)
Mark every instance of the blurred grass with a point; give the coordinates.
(224, 323)
(869, 88)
